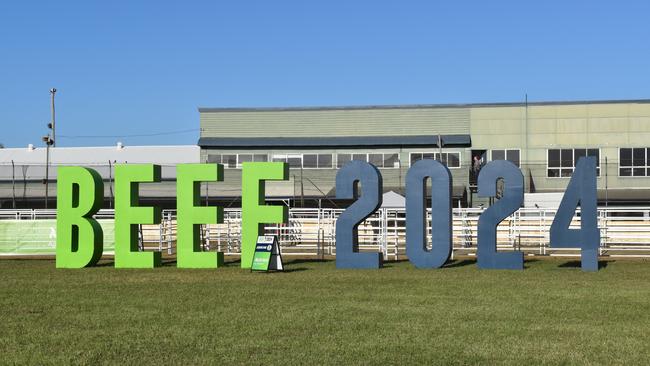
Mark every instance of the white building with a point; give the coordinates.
(23, 170)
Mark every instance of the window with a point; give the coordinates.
(391, 160)
(561, 162)
(229, 161)
(450, 159)
(634, 162)
(232, 161)
(244, 158)
(511, 155)
(342, 159)
(361, 157)
(294, 160)
(313, 161)
(247, 158)
(306, 161)
(310, 161)
(419, 156)
(380, 160)
(325, 161)
(376, 159)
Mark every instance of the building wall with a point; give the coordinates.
(334, 122)
(320, 182)
(532, 130)
(379, 121)
(23, 170)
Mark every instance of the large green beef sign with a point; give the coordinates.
(80, 239)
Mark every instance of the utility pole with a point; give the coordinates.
(48, 142)
(525, 155)
(13, 184)
(52, 124)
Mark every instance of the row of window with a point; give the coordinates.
(309, 161)
(562, 162)
(378, 160)
(326, 161)
(235, 160)
(501, 154)
(450, 159)
(633, 162)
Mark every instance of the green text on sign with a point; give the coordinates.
(263, 253)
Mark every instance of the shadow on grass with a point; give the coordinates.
(164, 263)
(168, 263)
(392, 263)
(527, 262)
(105, 264)
(286, 270)
(470, 262)
(578, 264)
(306, 260)
(299, 269)
(459, 263)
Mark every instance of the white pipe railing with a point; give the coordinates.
(625, 232)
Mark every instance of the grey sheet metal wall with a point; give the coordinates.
(349, 121)
(332, 130)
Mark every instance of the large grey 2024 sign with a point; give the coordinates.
(581, 192)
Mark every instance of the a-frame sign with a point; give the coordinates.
(267, 255)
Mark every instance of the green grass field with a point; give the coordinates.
(551, 313)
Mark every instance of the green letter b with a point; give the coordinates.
(79, 237)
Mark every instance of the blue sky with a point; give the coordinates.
(130, 68)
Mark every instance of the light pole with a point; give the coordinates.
(48, 142)
(52, 125)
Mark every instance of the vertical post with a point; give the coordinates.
(302, 187)
(525, 154)
(606, 188)
(47, 172)
(207, 191)
(13, 185)
(606, 211)
(169, 234)
(53, 92)
(110, 182)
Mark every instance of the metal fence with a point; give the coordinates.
(625, 232)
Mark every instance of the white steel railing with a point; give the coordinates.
(625, 232)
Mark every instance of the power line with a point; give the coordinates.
(134, 135)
